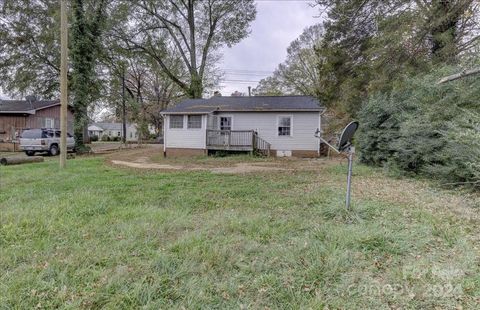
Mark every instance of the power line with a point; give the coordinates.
(247, 70)
(248, 74)
(230, 80)
(284, 1)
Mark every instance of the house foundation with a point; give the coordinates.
(184, 152)
(305, 153)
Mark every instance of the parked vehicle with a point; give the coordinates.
(44, 140)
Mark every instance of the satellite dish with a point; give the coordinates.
(347, 135)
(344, 146)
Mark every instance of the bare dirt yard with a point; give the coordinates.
(151, 157)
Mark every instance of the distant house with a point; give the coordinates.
(17, 115)
(272, 125)
(112, 130)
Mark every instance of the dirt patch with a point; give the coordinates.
(241, 168)
(236, 169)
(144, 165)
(151, 158)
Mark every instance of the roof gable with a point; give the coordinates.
(246, 104)
(25, 106)
(110, 126)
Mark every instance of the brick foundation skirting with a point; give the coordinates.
(298, 153)
(180, 152)
(304, 153)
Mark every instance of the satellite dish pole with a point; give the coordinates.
(345, 147)
(351, 151)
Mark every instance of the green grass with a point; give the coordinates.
(98, 237)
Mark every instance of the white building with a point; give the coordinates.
(113, 130)
(272, 125)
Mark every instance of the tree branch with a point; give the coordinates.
(460, 75)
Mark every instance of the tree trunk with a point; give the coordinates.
(196, 87)
(20, 160)
(80, 125)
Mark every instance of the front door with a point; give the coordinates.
(225, 127)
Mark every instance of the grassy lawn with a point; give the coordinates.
(97, 236)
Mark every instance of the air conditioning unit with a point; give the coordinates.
(284, 153)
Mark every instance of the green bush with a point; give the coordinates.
(105, 138)
(424, 128)
(94, 138)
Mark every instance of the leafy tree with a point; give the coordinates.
(29, 49)
(370, 45)
(147, 88)
(85, 46)
(193, 29)
(30, 57)
(424, 128)
(270, 86)
(149, 92)
(298, 75)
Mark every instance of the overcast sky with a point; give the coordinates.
(278, 23)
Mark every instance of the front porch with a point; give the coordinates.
(237, 140)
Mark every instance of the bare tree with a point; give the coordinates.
(192, 29)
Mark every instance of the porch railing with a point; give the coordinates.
(260, 145)
(230, 139)
(237, 140)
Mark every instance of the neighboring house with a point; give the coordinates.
(113, 130)
(17, 115)
(94, 130)
(272, 125)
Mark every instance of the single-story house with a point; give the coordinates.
(272, 125)
(17, 115)
(113, 130)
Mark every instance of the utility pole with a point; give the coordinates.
(63, 84)
(124, 112)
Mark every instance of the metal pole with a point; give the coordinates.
(349, 177)
(63, 84)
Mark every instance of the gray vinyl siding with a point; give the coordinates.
(304, 125)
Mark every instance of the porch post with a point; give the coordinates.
(253, 140)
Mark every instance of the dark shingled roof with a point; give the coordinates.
(110, 126)
(246, 104)
(25, 106)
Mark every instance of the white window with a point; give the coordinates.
(194, 121)
(176, 121)
(284, 125)
(226, 123)
(49, 123)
